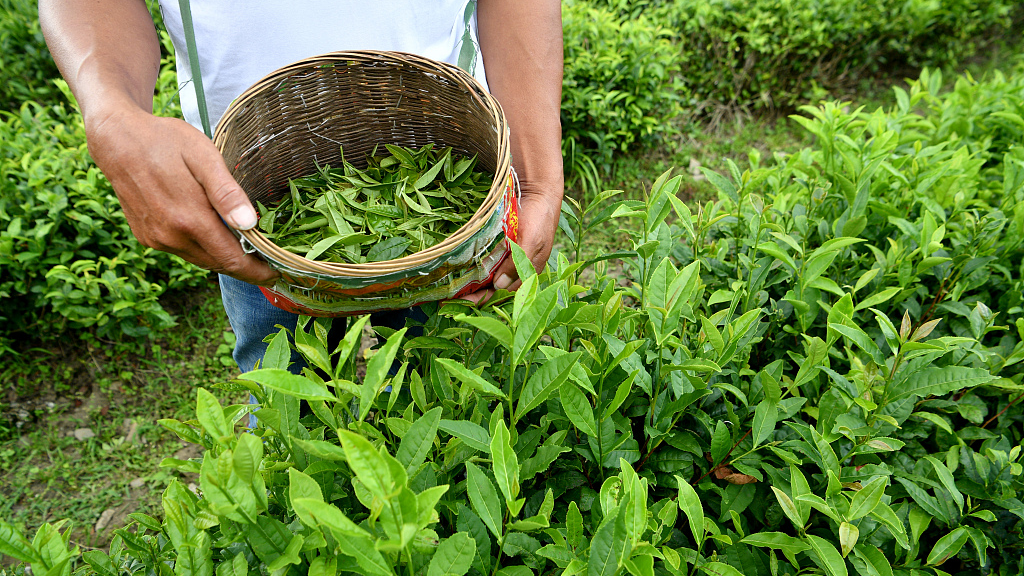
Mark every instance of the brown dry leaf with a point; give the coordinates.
(738, 478)
(722, 472)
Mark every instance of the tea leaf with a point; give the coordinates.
(495, 328)
(574, 526)
(948, 546)
(827, 554)
(865, 499)
(417, 442)
(368, 464)
(377, 370)
(848, 535)
(933, 381)
(578, 409)
(455, 555)
(764, 421)
(721, 442)
(474, 435)
(946, 478)
(719, 569)
(505, 463)
(546, 379)
(608, 544)
(777, 541)
(211, 415)
(691, 505)
(290, 384)
(469, 378)
(388, 249)
(13, 544)
(484, 498)
(874, 558)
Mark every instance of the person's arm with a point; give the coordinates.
(521, 42)
(171, 180)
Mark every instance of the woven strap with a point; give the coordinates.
(193, 61)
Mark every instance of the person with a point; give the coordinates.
(172, 182)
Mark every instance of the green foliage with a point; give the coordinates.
(26, 68)
(618, 90)
(66, 251)
(776, 53)
(818, 373)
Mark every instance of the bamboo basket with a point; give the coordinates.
(301, 116)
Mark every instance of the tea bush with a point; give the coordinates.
(818, 373)
(618, 89)
(776, 53)
(26, 68)
(67, 254)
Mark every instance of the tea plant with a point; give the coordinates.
(26, 68)
(618, 91)
(67, 256)
(818, 373)
(778, 53)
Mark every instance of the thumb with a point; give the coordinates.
(224, 194)
(506, 277)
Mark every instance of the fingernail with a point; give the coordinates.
(242, 218)
(503, 282)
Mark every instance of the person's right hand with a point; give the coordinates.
(174, 189)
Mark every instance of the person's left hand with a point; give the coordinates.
(539, 209)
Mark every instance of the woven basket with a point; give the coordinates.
(298, 119)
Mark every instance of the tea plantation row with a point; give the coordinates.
(818, 373)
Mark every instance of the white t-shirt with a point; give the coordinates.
(240, 42)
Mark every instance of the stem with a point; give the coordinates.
(511, 375)
(892, 372)
(579, 243)
(501, 544)
(739, 225)
(1012, 402)
(702, 476)
(657, 388)
(751, 451)
(600, 444)
(659, 441)
(750, 266)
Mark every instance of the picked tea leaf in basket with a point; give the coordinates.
(405, 201)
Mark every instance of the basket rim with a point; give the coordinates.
(491, 106)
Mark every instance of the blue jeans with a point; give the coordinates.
(252, 318)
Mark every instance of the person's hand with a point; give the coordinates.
(174, 189)
(539, 209)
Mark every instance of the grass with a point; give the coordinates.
(118, 390)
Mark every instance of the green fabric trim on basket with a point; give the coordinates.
(193, 61)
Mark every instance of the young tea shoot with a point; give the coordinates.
(406, 200)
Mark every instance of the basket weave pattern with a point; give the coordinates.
(300, 117)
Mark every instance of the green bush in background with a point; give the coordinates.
(65, 246)
(618, 90)
(777, 53)
(26, 68)
(67, 255)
